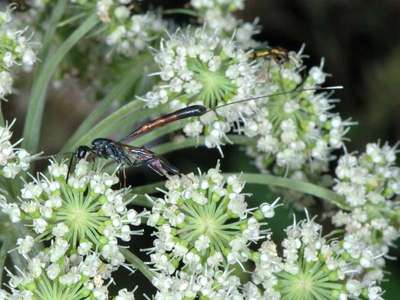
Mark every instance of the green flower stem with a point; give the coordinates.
(296, 185)
(141, 200)
(196, 142)
(118, 92)
(2, 122)
(9, 187)
(56, 15)
(37, 99)
(148, 188)
(137, 263)
(269, 180)
(71, 20)
(3, 256)
(183, 11)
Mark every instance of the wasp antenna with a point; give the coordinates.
(334, 87)
(41, 157)
(261, 97)
(50, 156)
(70, 166)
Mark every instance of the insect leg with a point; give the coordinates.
(70, 166)
(161, 166)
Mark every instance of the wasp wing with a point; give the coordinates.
(148, 158)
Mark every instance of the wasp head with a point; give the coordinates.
(82, 151)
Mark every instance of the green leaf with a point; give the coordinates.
(33, 121)
(3, 256)
(137, 263)
(118, 92)
(118, 121)
(56, 15)
(148, 188)
(196, 142)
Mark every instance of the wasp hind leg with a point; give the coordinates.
(161, 167)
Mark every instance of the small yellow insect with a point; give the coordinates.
(19, 5)
(278, 54)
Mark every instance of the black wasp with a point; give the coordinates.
(128, 156)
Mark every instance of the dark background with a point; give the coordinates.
(360, 41)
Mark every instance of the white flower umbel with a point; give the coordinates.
(13, 160)
(296, 133)
(15, 50)
(82, 215)
(69, 278)
(199, 67)
(218, 17)
(128, 29)
(311, 268)
(204, 231)
(369, 183)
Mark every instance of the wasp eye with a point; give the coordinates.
(81, 152)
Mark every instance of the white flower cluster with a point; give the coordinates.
(369, 184)
(372, 178)
(82, 215)
(66, 277)
(129, 30)
(217, 16)
(297, 132)
(15, 50)
(197, 67)
(211, 284)
(229, 5)
(204, 229)
(13, 160)
(311, 267)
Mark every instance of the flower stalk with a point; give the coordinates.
(33, 121)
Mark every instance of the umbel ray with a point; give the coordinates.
(129, 156)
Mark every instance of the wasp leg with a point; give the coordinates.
(71, 160)
(161, 167)
(124, 176)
